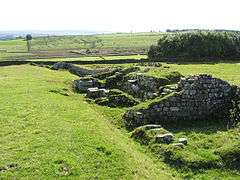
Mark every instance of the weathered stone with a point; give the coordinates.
(61, 65)
(94, 93)
(199, 97)
(151, 126)
(183, 141)
(132, 80)
(79, 71)
(164, 138)
(82, 85)
(142, 86)
(180, 145)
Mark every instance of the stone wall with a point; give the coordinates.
(199, 97)
(79, 71)
(142, 86)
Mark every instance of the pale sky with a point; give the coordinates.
(119, 15)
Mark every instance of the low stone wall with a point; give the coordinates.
(199, 97)
(142, 86)
(79, 71)
(82, 85)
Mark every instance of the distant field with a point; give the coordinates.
(76, 46)
(93, 58)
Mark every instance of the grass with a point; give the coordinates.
(121, 40)
(48, 135)
(71, 46)
(223, 70)
(94, 58)
(226, 71)
(50, 132)
(213, 149)
(201, 153)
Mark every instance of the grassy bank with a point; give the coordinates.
(49, 132)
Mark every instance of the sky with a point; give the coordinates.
(119, 15)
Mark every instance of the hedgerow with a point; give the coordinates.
(197, 44)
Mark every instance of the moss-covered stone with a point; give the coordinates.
(81, 85)
(145, 135)
(230, 155)
(117, 98)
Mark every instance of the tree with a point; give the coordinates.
(28, 39)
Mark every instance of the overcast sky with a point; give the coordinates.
(119, 15)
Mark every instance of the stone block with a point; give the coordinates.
(164, 138)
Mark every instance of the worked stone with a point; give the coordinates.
(181, 145)
(183, 141)
(94, 93)
(151, 126)
(198, 97)
(164, 138)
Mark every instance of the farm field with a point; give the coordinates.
(76, 46)
(93, 58)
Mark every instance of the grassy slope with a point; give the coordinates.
(121, 40)
(50, 135)
(204, 139)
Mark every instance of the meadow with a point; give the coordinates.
(48, 135)
(48, 131)
(76, 46)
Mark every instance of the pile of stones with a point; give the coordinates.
(119, 99)
(82, 85)
(94, 93)
(152, 133)
(142, 86)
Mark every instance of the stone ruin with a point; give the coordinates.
(82, 85)
(153, 133)
(142, 86)
(94, 93)
(197, 98)
(79, 71)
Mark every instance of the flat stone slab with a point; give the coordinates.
(181, 145)
(183, 141)
(151, 126)
(94, 93)
(164, 138)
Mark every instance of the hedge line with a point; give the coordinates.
(197, 44)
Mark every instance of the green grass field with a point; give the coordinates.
(48, 131)
(56, 134)
(94, 58)
(47, 135)
(227, 71)
(71, 46)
